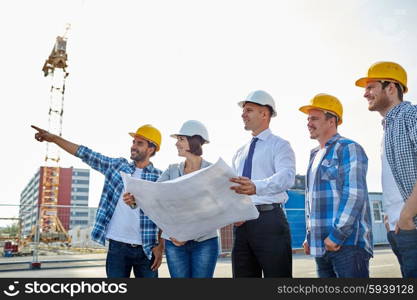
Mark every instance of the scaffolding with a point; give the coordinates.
(51, 228)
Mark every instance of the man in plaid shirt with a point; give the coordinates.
(385, 84)
(134, 240)
(338, 214)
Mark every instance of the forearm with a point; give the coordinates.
(161, 241)
(66, 145)
(410, 206)
(353, 201)
(353, 194)
(278, 183)
(351, 207)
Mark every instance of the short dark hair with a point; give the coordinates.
(195, 143)
(397, 85)
(152, 145)
(270, 109)
(329, 115)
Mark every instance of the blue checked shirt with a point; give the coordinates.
(340, 206)
(400, 125)
(112, 190)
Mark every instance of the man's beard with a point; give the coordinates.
(138, 156)
(381, 104)
(313, 135)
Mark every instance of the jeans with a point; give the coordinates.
(348, 262)
(404, 246)
(193, 259)
(122, 257)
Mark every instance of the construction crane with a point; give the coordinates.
(49, 227)
(55, 67)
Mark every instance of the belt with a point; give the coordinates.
(266, 207)
(127, 244)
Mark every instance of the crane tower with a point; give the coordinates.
(50, 226)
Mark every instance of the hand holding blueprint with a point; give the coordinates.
(190, 206)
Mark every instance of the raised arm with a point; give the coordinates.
(43, 135)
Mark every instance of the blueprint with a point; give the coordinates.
(192, 205)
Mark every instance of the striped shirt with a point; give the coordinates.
(113, 189)
(400, 125)
(340, 206)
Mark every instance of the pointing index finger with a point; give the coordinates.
(37, 128)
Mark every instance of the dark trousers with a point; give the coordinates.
(263, 245)
(404, 246)
(348, 262)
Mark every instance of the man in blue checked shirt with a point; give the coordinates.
(134, 240)
(385, 84)
(338, 215)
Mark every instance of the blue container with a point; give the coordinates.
(294, 209)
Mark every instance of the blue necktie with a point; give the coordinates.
(247, 168)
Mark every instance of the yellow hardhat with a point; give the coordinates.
(385, 70)
(149, 133)
(327, 103)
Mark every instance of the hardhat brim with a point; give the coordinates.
(133, 134)
(362, 82)
(306, 108)
(177, 134)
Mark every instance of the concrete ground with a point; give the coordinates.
(384, 264)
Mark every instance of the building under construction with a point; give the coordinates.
(55, 217)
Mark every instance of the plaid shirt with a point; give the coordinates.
(112, 190)
(340, 206)
(400, 125)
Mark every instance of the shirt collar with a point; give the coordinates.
(396, 109)
(331, 141)
(148, 169)
(264, 134)
(204, 164)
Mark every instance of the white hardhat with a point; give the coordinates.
(262, 98)
(193, 127)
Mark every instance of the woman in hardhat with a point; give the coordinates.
(196, 258)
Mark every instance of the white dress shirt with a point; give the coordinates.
(273, 167)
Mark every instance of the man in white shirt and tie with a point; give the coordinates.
(266, 169)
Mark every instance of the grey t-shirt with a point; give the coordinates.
(175, 171)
